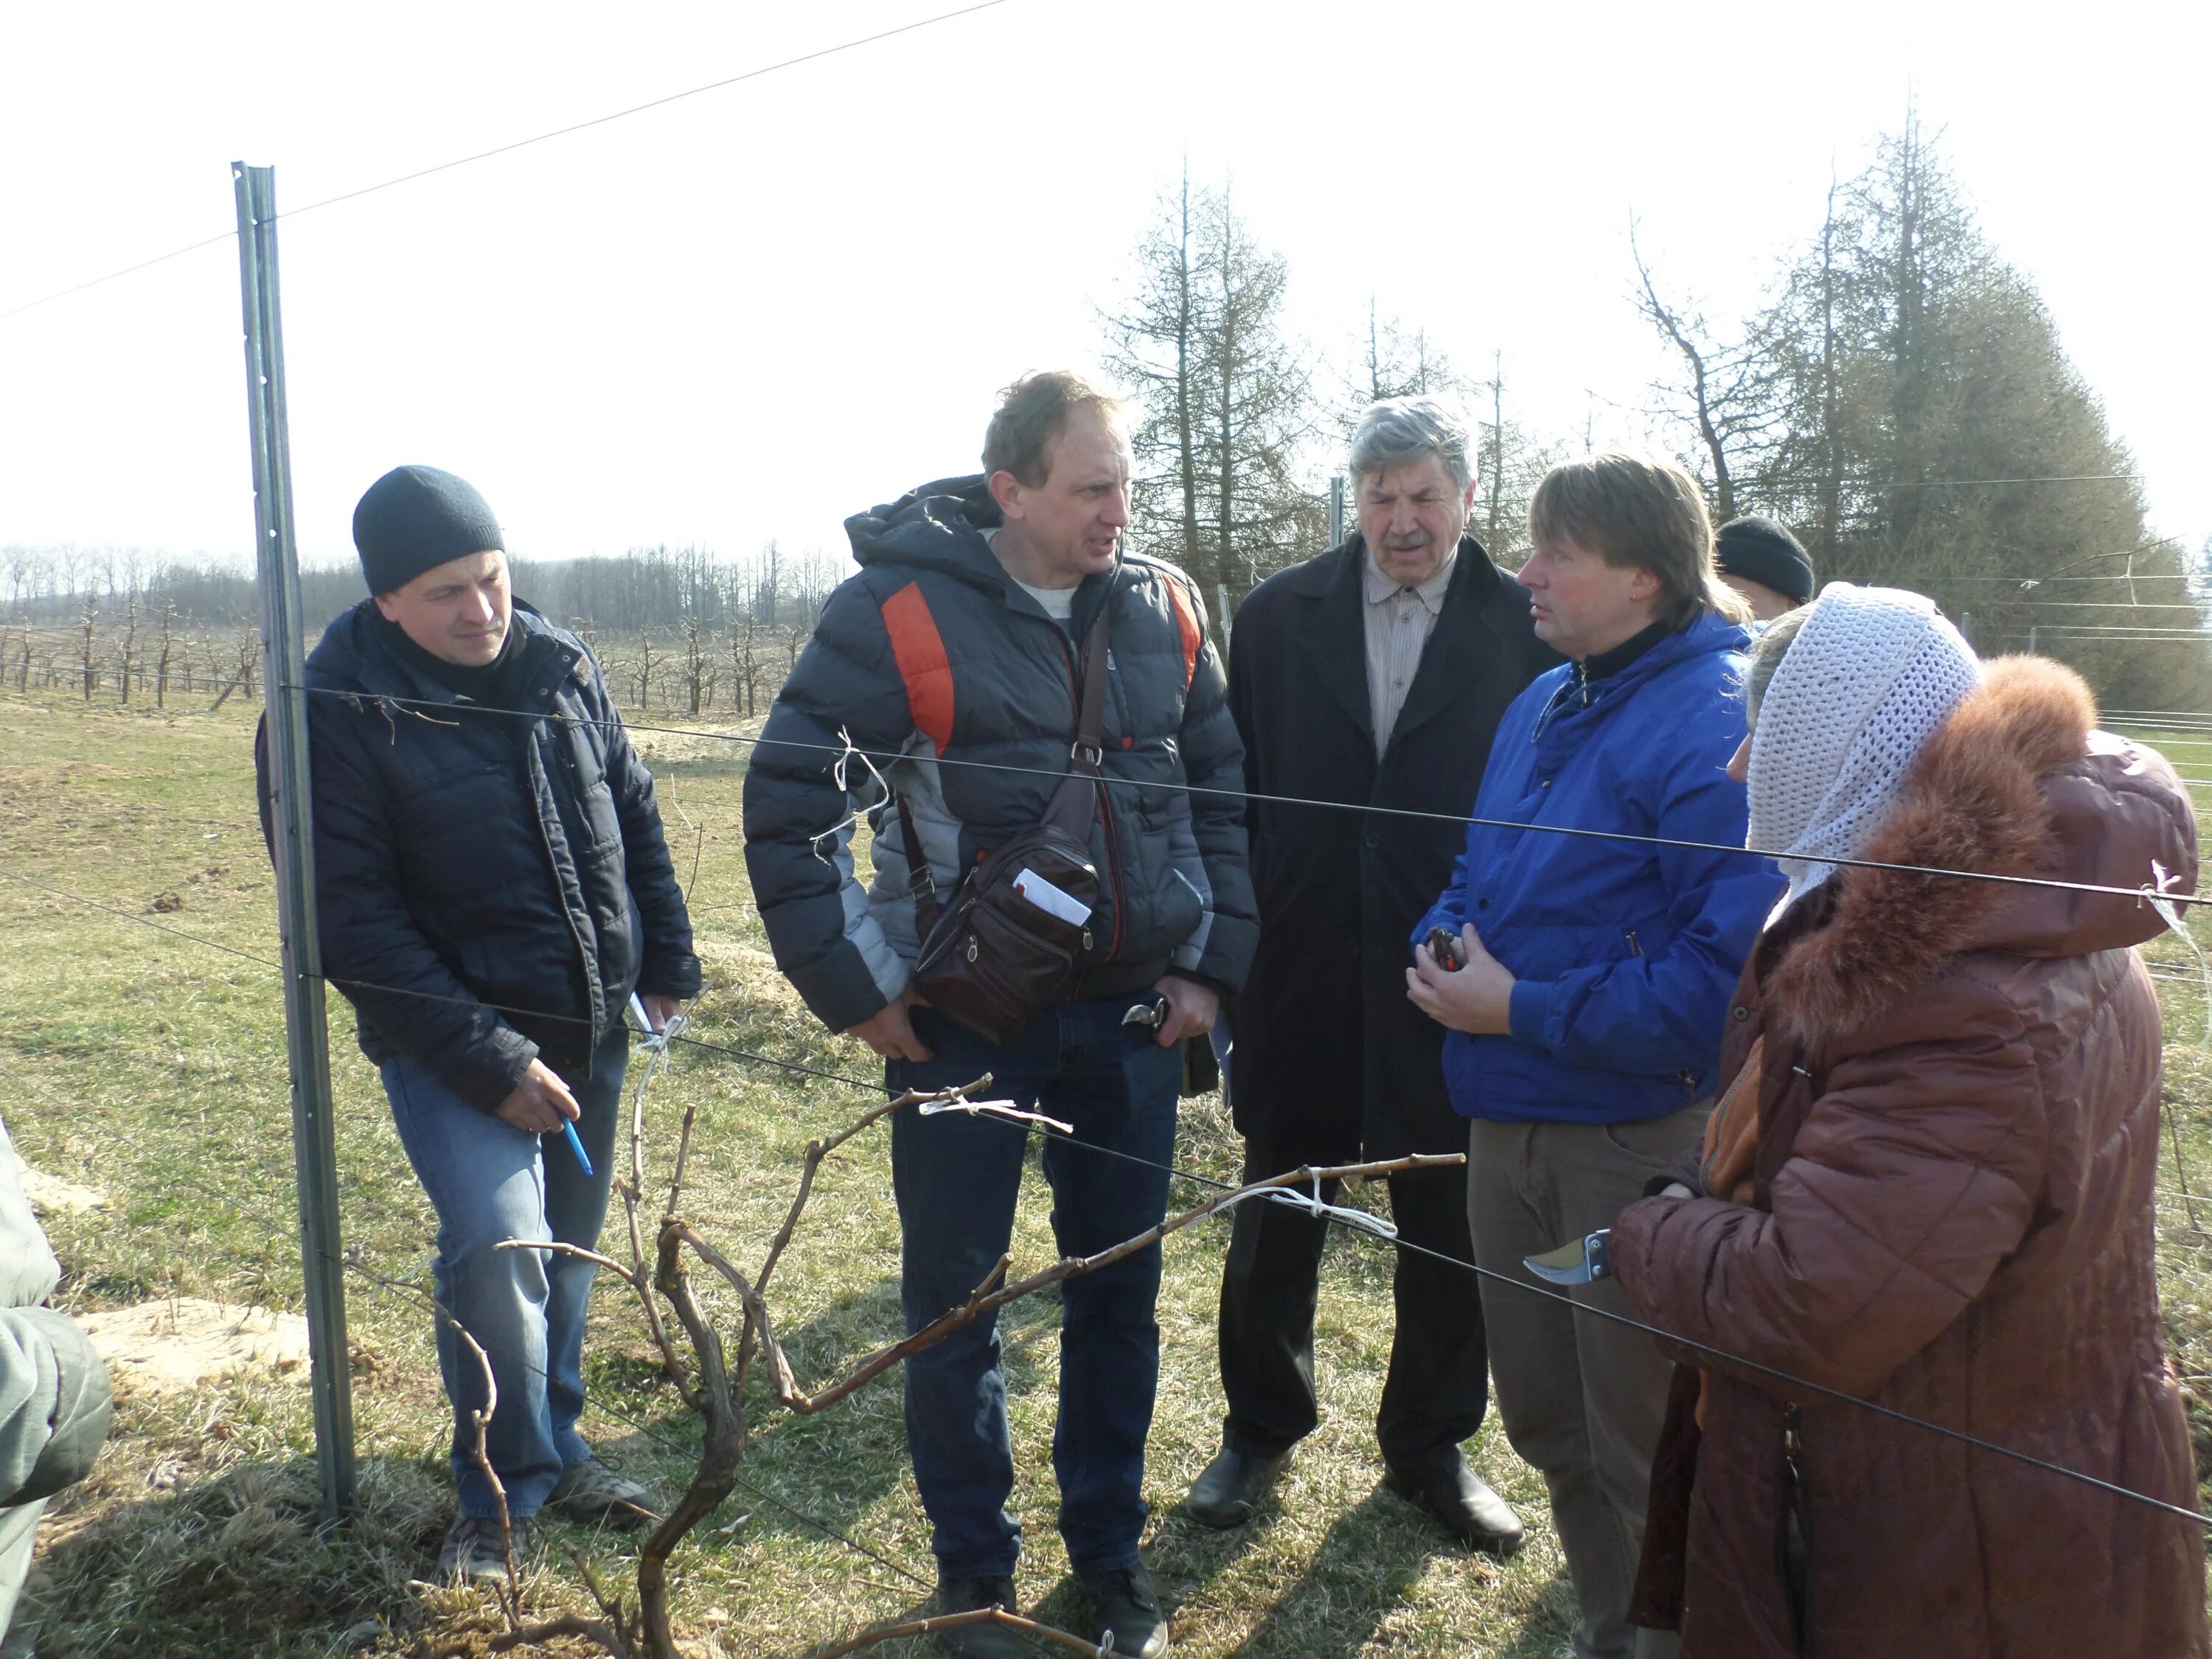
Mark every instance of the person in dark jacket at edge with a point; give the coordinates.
(1374, 676)
(1584, 1029)
(958, 642)
(491, 886)
(1929, 1182)
(54, 1403)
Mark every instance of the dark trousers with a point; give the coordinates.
(1438, 1384)
(957, 1178)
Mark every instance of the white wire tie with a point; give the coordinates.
(1379, 1226)
(839, 775)
(1005, 1109)
(655, 1043)
(2170, 914)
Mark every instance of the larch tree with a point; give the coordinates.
(1226, 415)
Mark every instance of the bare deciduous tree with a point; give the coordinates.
(1725, 385)
(130, 653)
(91, 625)
(161, 664)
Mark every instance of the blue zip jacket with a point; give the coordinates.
(1625, 953)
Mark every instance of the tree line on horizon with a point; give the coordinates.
(1900, 397)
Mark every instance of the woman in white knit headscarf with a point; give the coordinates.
(1844, 692)
(1927, 1182)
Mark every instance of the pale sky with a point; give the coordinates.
(755, 311)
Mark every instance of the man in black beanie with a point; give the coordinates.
(1762, 561)
(492, 884)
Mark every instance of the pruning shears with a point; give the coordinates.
(1584, 1261)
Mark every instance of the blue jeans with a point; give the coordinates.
(490, 1182)
(957, 1178)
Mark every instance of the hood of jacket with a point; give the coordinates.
(940, 526)
(2017, 782)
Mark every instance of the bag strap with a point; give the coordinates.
(1090, 719)
(921, 881)
(1074, 804)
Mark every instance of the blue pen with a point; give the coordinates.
(575, 1143)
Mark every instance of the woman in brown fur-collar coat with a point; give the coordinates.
(1931, 1184)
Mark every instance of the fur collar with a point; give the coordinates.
(1973, 802)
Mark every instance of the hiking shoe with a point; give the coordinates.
(1124, 1605)
(590, 1490)
(475, 1548)
(982, 1640)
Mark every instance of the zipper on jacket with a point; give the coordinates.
(535, 775)
(1793, 1546)
(1634, 949)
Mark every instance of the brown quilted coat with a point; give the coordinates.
(1951, 1217)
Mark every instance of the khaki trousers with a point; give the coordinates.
(1582, 1399)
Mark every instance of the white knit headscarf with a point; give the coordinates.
(1872, 675)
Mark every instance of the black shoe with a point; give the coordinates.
(1457, 1497)
(1123, 1605)
(984, 1639)
(1231, 1487)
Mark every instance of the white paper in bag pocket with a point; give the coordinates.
(1050, 899)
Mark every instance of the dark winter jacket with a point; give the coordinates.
(1951, 1216)
(1623, 952)
(491, 888)
(1327, 1039)
(53, 1387)
(934, 654)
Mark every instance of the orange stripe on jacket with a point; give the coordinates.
(920, 649)
(1194, 636)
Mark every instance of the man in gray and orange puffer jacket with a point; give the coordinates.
(958, 650)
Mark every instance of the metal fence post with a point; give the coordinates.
(314, 1150)
(1336, 512)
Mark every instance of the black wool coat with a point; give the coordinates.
(1332, 1060)
(491, 888)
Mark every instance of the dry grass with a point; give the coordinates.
(152, 1068)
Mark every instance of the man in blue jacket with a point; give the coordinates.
(1585, 1028)
(492, 882)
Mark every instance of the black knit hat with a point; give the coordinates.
(1760, 551)
(415, 519)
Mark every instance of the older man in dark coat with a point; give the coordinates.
(1373, 675)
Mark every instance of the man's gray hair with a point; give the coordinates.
(1402, 430)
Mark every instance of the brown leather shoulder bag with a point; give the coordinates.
(1018, 927)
